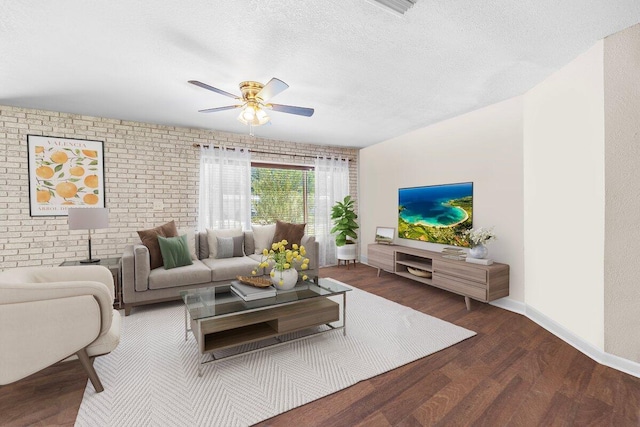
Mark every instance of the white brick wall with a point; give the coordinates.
(143, 163)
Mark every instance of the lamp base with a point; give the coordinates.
(89, 261)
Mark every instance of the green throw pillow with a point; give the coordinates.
(175, 251)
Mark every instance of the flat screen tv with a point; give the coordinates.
(436, 213)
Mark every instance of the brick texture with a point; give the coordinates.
(144, 163)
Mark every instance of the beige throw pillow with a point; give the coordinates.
(263, 236)
(212, 238)
(191, 240)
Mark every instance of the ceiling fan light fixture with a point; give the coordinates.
(253, 115)
(262, 116)
(254, 100)
(249, 113)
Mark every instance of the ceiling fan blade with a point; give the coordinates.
(271, 89)
(213, 110)
(300, 111)
(214, 89)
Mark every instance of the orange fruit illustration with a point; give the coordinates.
(68, 202)
(39, 149)
(59, 157)
(91, 181)
(90, 199)
(77, 171)
(44, 172)
(90, 153)
(66, 189)
(43, 196)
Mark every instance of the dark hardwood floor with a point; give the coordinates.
(512, 373)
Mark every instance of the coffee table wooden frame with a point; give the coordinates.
(235, 329)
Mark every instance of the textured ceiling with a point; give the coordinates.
(369, 74)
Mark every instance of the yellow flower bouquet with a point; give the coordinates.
(282, 261)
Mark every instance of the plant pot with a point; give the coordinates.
(346, 252)
(289, 279)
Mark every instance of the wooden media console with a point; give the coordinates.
(473, 281)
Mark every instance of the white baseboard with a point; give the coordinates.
(511, 305)
(595, 353)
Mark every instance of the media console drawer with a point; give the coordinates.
(381, 256)
(460, 270)
(460, 286)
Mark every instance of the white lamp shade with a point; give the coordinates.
(88, 218)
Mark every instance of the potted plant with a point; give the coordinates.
(344, 216)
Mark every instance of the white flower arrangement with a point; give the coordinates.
(479, 236)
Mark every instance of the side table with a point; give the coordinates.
(113, 264)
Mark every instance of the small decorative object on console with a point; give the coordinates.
(477, 237)
(419, 273)
(453, 253)
(385, 235)
(480, 261)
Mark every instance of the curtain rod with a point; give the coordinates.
(270, 152)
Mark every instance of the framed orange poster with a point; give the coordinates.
(64, 172)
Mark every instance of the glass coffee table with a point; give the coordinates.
(219, 319)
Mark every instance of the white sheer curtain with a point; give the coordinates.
(332, 185)
(225, 188)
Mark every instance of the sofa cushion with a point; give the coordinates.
(175, 251)
(191, 240)
(149, 238)
(249, 244)
(292, 233)
(229, 247)
(263, 237)
(193, 274)
(203, 245)
(229, 268)
(212, 238)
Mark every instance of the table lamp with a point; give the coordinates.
(88, 219)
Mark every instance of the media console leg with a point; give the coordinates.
(378, 272)
(467, 301)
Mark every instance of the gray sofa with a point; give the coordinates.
(141, 285)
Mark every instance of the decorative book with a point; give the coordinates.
(455, 257)
(251, 293)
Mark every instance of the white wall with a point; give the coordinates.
(484, 146)
(622, 156)
(564, 196)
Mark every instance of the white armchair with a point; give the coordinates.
(49, 314)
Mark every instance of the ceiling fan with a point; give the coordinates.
(254, 101)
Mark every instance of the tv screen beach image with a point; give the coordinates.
(436, 213)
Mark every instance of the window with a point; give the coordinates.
(280, 192)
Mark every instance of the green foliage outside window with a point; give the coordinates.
(280, 194)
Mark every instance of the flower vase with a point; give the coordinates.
(478, 251)
(289, 279)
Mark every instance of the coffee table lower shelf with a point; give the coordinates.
(235, 329)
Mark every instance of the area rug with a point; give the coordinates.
(151, 378)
